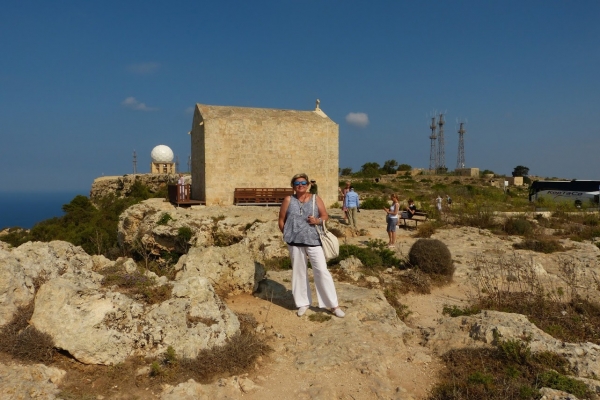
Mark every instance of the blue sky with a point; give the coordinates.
(83, 84)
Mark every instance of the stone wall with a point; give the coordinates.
(237, 147)
(120, 186)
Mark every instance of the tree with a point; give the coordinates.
(389, 167)
(346, 171)
(370, 169)
(404, 167)
(520, 171)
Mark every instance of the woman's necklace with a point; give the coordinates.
(301, 204)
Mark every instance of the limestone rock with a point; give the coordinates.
(29, 381)
(27, 266)
(554, 394)
(351, 267)
(226, 389)
(488, 327)
(97, 326)
(230, 269)
(120, 186)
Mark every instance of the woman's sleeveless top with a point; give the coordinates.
(297, 230)
(392, 209)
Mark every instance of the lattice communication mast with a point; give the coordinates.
(460, 160)
(441, 159)
(134, 163)
(432, 152)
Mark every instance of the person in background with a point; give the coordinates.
(448, 201)
(313, 187)
(344, 192)
(438, 203)
(392, 219)
(411, 209)
(352, 204)
(181, 186)
(298, 223)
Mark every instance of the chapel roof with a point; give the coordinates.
(229, 112)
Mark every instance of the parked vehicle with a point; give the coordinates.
(577, 191)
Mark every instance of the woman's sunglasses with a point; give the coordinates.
(303, 183)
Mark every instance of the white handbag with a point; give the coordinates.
(330, 243)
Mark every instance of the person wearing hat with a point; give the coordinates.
(313, 187)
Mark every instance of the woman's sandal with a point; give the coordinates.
(338, 312)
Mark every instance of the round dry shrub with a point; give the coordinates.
(432, 257)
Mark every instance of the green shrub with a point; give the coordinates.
(517, 226)
(554, 380)
(374, 203)
(164, 219)
(91, 226)
(432, 257)
(368, 257)
(455, 311)
(367, 186)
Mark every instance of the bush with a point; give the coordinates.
(23, 341)
(374, 203)
(540, 245)
(425, 231)
(91, 226)
(517, 226)
(432, 257)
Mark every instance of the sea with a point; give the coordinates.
(26, 209)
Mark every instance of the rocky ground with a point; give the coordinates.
(368, 354)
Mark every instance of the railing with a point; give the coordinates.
(179, 193)
(260, 196)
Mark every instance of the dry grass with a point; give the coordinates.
(509, 371)
(136, 285)
(23, 341)
(239, 355)
(511, 284)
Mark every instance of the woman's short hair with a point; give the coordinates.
(302, 175)
(411, 201)
(394, 196)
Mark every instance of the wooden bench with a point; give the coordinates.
(260, 196)
(418, 216)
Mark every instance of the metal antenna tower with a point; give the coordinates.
(441, 159)
(432, 152)
(176, 163)
(189, 163)
(460, 161)
(134, 162)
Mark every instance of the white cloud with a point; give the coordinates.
(358, 119)
(132, 103)
(190, 110)
(146, 68)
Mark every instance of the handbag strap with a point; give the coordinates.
(323, 227)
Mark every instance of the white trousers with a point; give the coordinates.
(323, 280)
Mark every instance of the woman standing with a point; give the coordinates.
(392, 219)
(299, 223)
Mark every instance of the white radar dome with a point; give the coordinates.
(162, 154)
